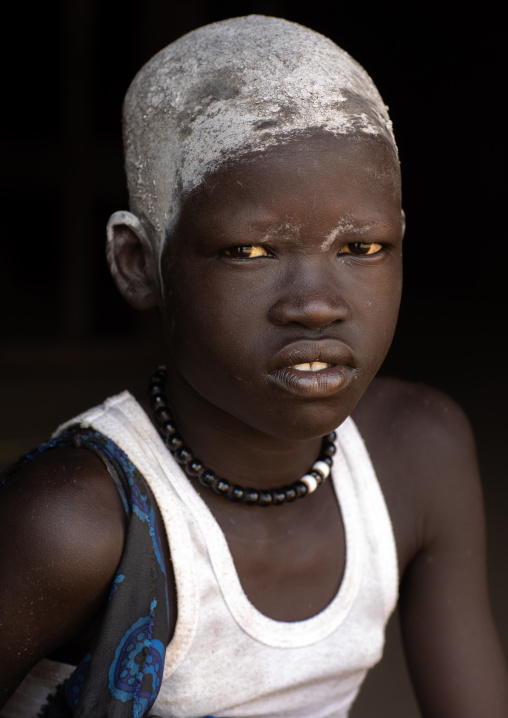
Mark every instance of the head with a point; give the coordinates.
(227, 89)
(257, 132)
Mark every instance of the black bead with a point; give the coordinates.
(236, 493)
(194, 468)
(331, 437)
(279, 496)
(265, 498)
(156, 389)
(173, 442)
(301, 489)
(207, 478)
(290, 492)
(162, 414)
(183, 455)
(250, 496)
(168, 428)
(158, 400)
(157, 379)
(328, 449)
(317, 476)
(221, 486)
(327, 459)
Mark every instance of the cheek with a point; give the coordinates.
(207, 316)
(383, 305)
(215, 344)
(377, 305)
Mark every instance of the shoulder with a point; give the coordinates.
(423, 451)
(62, 528)
(64, 509)
(415, 424)
(63, 498)
(416, 416)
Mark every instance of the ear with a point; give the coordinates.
(131, 260)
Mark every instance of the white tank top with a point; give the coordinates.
(227, 659)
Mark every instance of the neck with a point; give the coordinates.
(233, 449)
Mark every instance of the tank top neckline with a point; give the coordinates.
(259, 626)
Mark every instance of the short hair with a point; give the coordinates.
(234, 87)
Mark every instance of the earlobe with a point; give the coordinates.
(131, 260)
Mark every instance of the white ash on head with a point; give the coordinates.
(236, 86)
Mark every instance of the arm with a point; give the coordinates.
(62, 529)
(455, 660)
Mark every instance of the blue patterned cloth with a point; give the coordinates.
(121, 675)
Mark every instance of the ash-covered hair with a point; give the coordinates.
(229, 88)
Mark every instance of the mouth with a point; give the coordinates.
(313, 369)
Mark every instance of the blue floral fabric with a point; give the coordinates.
(121, 675)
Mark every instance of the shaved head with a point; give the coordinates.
(231, 88)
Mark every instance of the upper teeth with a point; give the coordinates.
(311, 366)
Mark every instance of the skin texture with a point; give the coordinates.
(230, 322)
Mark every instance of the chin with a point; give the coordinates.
(311, 421)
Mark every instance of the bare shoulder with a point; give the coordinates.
(394, 407)
(423, 450)
(63, 503)
(424, 424)
(62, 528)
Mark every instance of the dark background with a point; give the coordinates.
(67, 338)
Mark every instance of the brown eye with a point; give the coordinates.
(361, 248)
(249, 251)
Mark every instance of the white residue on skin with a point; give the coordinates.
(284, 232)
(344, 226)
(229, 88)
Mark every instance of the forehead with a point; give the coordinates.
(316, 171)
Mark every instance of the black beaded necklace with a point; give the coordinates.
(316, 475)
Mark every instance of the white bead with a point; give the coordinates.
(323, 468)
(310, 482)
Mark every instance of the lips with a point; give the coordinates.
(313, 369)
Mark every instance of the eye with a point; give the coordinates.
(361, 248)
(249, 251)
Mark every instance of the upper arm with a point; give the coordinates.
(453, 652)
(61, 537)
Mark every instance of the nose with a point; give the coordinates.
(311, 297)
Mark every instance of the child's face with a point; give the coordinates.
(278, 260)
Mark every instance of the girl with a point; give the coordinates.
(234, 543)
